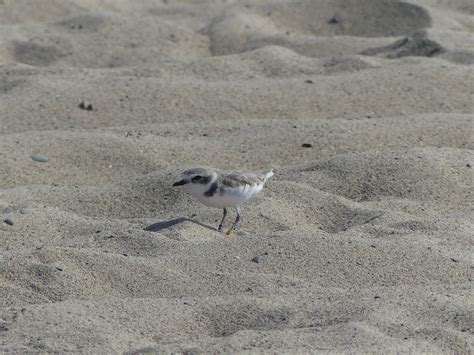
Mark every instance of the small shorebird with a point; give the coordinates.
(222, 189)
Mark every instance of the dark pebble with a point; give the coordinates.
(309, 82)
(376, 297)
(124, 254)
(86, 105)
(335, 19)
(256, 259)
(455, 259)
(306, 145)
(40, 158)
(468, 165)
(372, 246)
(59, 269)
(8, 221)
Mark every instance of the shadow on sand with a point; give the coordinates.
(156, 227)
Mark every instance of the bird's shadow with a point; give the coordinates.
(156, 227)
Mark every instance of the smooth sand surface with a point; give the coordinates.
(364, 238)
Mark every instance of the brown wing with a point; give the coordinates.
(235, 179)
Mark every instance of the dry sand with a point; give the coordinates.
(365, 238)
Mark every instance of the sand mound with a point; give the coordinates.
(253, 26)
(416, 46)
(446, 175)
(120, 100)
(366, 18)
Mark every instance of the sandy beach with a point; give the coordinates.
(362, 242)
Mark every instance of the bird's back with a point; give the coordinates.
(236, 179)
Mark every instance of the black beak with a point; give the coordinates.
(180, 183)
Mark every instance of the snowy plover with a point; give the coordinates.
(222, 189)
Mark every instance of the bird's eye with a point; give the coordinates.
(197, 178)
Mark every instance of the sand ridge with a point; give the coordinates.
(361, 242)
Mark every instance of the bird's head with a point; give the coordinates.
(196, 177)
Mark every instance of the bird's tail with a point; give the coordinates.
(268, 174)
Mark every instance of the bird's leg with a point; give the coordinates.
(237, 219)
(221, 226)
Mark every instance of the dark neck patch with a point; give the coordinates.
(212, 190)
(204, 180)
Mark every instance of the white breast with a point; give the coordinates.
(227, 196)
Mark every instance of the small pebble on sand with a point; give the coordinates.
(86, 105)
(40, 158)
(335, 19)
(8, 221)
